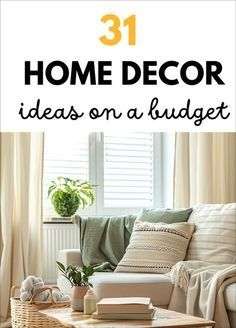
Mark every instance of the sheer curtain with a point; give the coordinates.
(21, 211)
(204, 168)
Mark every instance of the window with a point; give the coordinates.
(65, 155)
(128, 170)
(125, 167)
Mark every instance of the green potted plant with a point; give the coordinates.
(68, 195)
(79, 280)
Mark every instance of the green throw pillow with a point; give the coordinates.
(164, 215)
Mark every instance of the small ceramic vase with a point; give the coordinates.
(90, 302)
(77, 300)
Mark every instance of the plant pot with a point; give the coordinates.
(77, 300)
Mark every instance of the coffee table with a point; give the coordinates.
(165, 318)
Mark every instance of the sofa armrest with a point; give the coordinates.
(70, 256)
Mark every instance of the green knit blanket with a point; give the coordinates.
(103, 240)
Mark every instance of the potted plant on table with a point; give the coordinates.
(68, 195)
(79, 280)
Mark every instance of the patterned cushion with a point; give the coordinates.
(214, 239)
(156, 247)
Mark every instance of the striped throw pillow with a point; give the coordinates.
(214, 239)
(156, 247)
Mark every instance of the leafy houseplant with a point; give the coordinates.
(77, 276)
(68, 195)
(79, 280)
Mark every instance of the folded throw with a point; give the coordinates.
(204, 284)
(103, 240)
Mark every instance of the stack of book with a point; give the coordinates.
(133, 308)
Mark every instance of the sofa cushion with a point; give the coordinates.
(111, 284)
(155, 247)
(214, 237)
(164, 215)
(119, 284)
(230, 297)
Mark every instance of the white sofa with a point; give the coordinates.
(117, 284)
(213, 240)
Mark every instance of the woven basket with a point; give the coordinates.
(25, 314)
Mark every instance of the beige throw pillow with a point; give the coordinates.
(156, 247)
(214, 239)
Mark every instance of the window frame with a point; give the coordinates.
(96, 176)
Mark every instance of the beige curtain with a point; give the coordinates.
(21, 211)
(205, 168)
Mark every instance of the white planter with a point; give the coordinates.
(77, 300)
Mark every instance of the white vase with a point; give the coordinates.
(90, 302)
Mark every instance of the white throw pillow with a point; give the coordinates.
(156, 247)
(214, 239)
